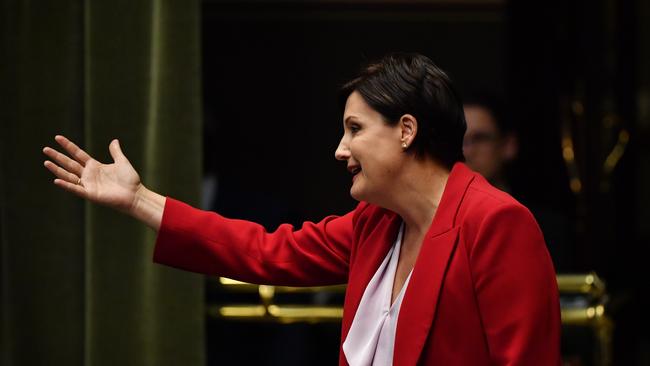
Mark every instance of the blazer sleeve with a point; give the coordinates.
(516, 289)
(208, 243)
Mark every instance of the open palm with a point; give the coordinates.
(114, 185)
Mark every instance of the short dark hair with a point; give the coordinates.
(495, 106)
(410, 83)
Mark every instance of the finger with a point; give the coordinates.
(74, 188)
(75, 151)
(63, 160)
(61, 173)
(116, 151)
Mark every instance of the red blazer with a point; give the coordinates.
(482, 292)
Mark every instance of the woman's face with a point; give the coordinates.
(372, 148)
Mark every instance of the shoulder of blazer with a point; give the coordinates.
(482, 199)
(483, 203)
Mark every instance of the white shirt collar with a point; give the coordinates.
(371, 337)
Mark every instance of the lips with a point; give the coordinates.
(354, 170)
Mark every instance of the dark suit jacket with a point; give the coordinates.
(482, 292)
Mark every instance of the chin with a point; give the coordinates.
(361, 195)
(357, 194)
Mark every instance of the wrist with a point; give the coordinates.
(148, 207)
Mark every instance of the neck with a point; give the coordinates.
(417, 194)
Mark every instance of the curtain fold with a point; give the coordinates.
(77, 282)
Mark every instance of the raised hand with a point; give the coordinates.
(114, 185)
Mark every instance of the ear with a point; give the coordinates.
(408, 126)
(510, 147)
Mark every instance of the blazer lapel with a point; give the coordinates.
(369, 258)
(418, 309)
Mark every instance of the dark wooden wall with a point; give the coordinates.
(272, 71)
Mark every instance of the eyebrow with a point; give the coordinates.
(348, 118)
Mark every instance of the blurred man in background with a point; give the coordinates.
(490, 142)
(490, 147)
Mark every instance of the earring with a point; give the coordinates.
(404, 145)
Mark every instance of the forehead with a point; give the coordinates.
(479, 119)
(357, 108)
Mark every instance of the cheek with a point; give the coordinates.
(359, 151)
(385, 165)
(492, 153)
(375, 158)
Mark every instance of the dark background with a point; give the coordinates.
(271, 71)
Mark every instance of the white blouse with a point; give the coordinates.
(371, 338)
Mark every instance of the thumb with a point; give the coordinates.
(116, 151)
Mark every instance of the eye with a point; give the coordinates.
(354, 128)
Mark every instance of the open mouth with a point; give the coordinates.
(354, 170)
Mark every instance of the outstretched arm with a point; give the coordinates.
(201, 241)
(116, 185)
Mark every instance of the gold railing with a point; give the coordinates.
(588, 284)
(590, 309)
(268, 310)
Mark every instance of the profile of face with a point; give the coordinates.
(485, 148)
(372, 149)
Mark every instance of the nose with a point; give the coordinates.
(342, 151)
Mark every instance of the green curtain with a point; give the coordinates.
(77, 282)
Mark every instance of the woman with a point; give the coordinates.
(442, 268)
